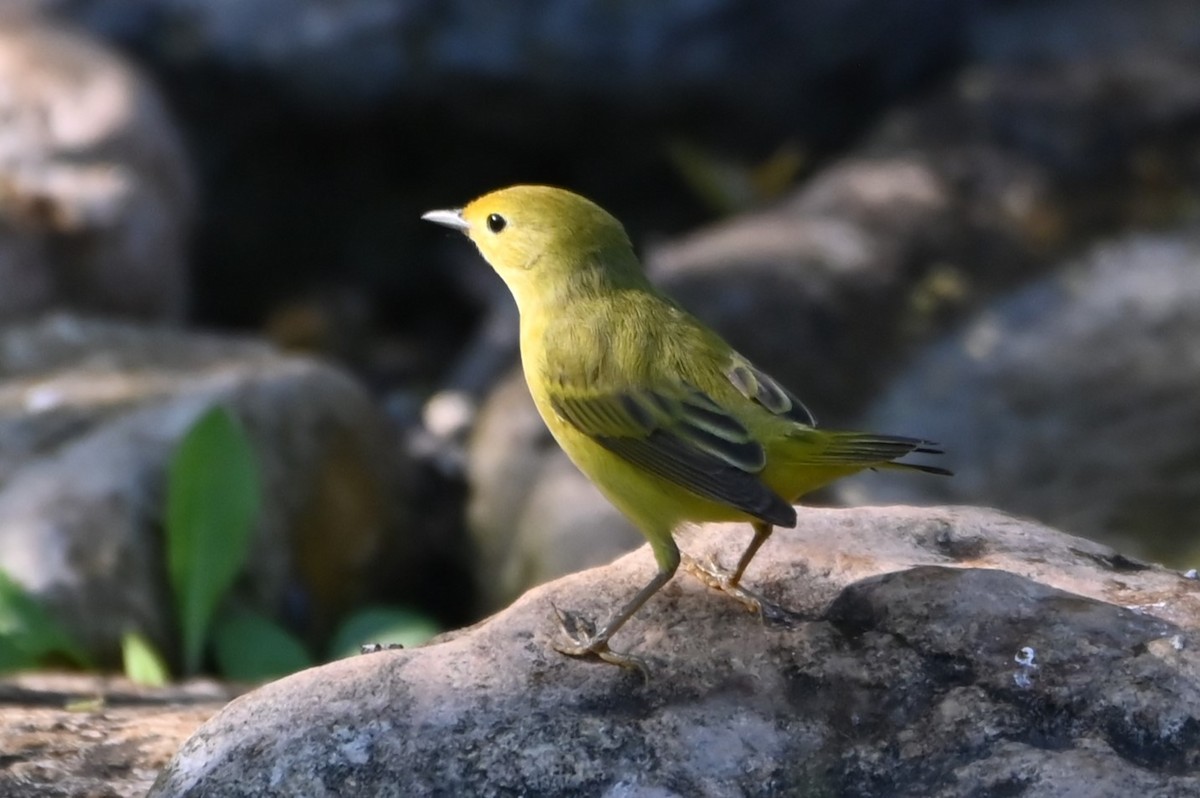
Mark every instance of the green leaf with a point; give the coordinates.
(12, 656)
(212, 502)
(381, 625)
(252, 648)
(143, 663)
(28, 635)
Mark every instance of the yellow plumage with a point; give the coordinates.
(668, 421)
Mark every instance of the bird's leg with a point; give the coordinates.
(762, 531)
(586, 642)
(729, 582)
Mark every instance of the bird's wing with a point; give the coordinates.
(682, 436)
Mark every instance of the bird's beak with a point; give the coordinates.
(452, 219)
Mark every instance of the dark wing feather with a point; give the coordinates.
(829, 448)
(687, 439)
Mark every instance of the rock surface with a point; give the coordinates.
(1068, 400)
(70, 735)
(940, 652)
(662, 58)
(90, 414)
(95, 193)
(978, 187)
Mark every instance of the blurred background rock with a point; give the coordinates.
(970, 220)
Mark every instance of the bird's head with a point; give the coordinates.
(544, 241)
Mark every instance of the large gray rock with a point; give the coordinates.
(95, 193)
(941, 652)
(971, 191)
(818, 290)
(670, 55)
(777, 58)
(90, 414)
(1073, 400)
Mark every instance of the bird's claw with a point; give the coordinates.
(583, 642)
(709, 572)
(716, 577)
(575, 626)
(775, 615)
(712, 574)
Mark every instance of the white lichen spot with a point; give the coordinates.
(1026, 666)
(1178, 643)
(354, 745)
(1142, 609)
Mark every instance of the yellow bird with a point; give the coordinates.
(670, 423)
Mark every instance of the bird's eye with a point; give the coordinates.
(496, 222)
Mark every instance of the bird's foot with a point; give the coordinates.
(583, 641)
(718, 578)
(712, 574)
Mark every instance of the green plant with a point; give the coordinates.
(29, 637)
(213, 498)
(212, 502)
(250, 647)
(141, 661)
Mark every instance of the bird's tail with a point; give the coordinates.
(856, 450)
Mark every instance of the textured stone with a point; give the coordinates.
(95, 193)
(950, 651)
(1071, 400)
